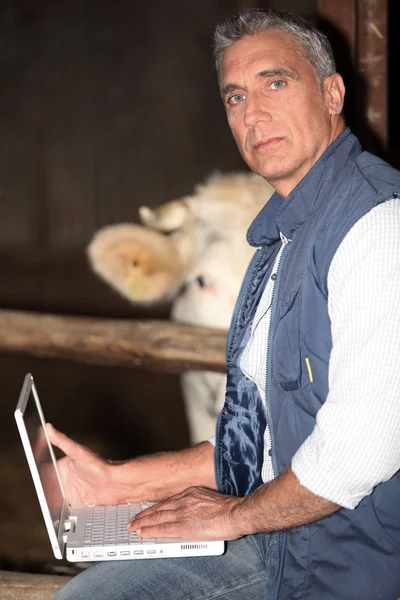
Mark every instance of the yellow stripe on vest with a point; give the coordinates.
(309, 369)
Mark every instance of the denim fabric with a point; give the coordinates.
(244, 571)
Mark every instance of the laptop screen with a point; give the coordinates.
(40, 455)
(43, 460)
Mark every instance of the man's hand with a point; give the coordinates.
(88, 478)
(195, 514)
(199, 513)
(85, 476)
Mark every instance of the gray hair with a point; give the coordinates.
(314, 44)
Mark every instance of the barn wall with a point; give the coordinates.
(104, 107)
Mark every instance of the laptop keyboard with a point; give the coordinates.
(106, 525)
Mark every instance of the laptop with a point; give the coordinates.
(87, 532)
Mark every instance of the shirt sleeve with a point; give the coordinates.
(355, 444)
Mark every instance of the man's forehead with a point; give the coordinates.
(272, 49)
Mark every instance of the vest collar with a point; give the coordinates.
(286, 215)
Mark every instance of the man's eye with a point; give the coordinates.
(277, 85)
(236, 99)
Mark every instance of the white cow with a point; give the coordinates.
(194, 252)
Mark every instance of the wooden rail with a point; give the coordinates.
(24, 586)
(156, 345)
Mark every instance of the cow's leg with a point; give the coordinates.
(203, 394)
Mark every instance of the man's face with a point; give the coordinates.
(281, 118)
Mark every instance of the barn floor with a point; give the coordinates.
(119, 413)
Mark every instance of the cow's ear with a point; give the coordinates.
(141, 264)
(169, 217)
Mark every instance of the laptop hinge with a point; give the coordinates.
(70, 524)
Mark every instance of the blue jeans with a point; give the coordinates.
(243, 572)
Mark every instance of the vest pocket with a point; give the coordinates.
(291, 369)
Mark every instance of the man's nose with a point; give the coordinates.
(256, 111)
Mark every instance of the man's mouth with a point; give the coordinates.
(267, 143)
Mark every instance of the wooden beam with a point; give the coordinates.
(155, 345)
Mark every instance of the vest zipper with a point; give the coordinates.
(281, 537)
(285, 242)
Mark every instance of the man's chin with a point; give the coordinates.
(271, 167)
(271, 174)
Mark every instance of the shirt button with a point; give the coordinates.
(273, 276)
(270, 451)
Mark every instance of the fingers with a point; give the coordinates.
(194, 514)
(163, 519)
(157, 507)
(72, 449)
(160, 524)
(164, 530)
(149, 516)
(168, 505)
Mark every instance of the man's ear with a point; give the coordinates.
(334, 92)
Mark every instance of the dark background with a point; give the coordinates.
(104, 107)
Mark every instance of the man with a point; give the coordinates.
(307, 451)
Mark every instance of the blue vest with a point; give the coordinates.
(352, 554)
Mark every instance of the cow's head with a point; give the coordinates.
(193, 249)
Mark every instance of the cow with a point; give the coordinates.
(191, 252)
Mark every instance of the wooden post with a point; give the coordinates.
(372, 65)
(342, 15)
(357, 30)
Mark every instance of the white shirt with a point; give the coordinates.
(253, 361)
(356, 440)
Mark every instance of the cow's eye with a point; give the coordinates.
(201, 281)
